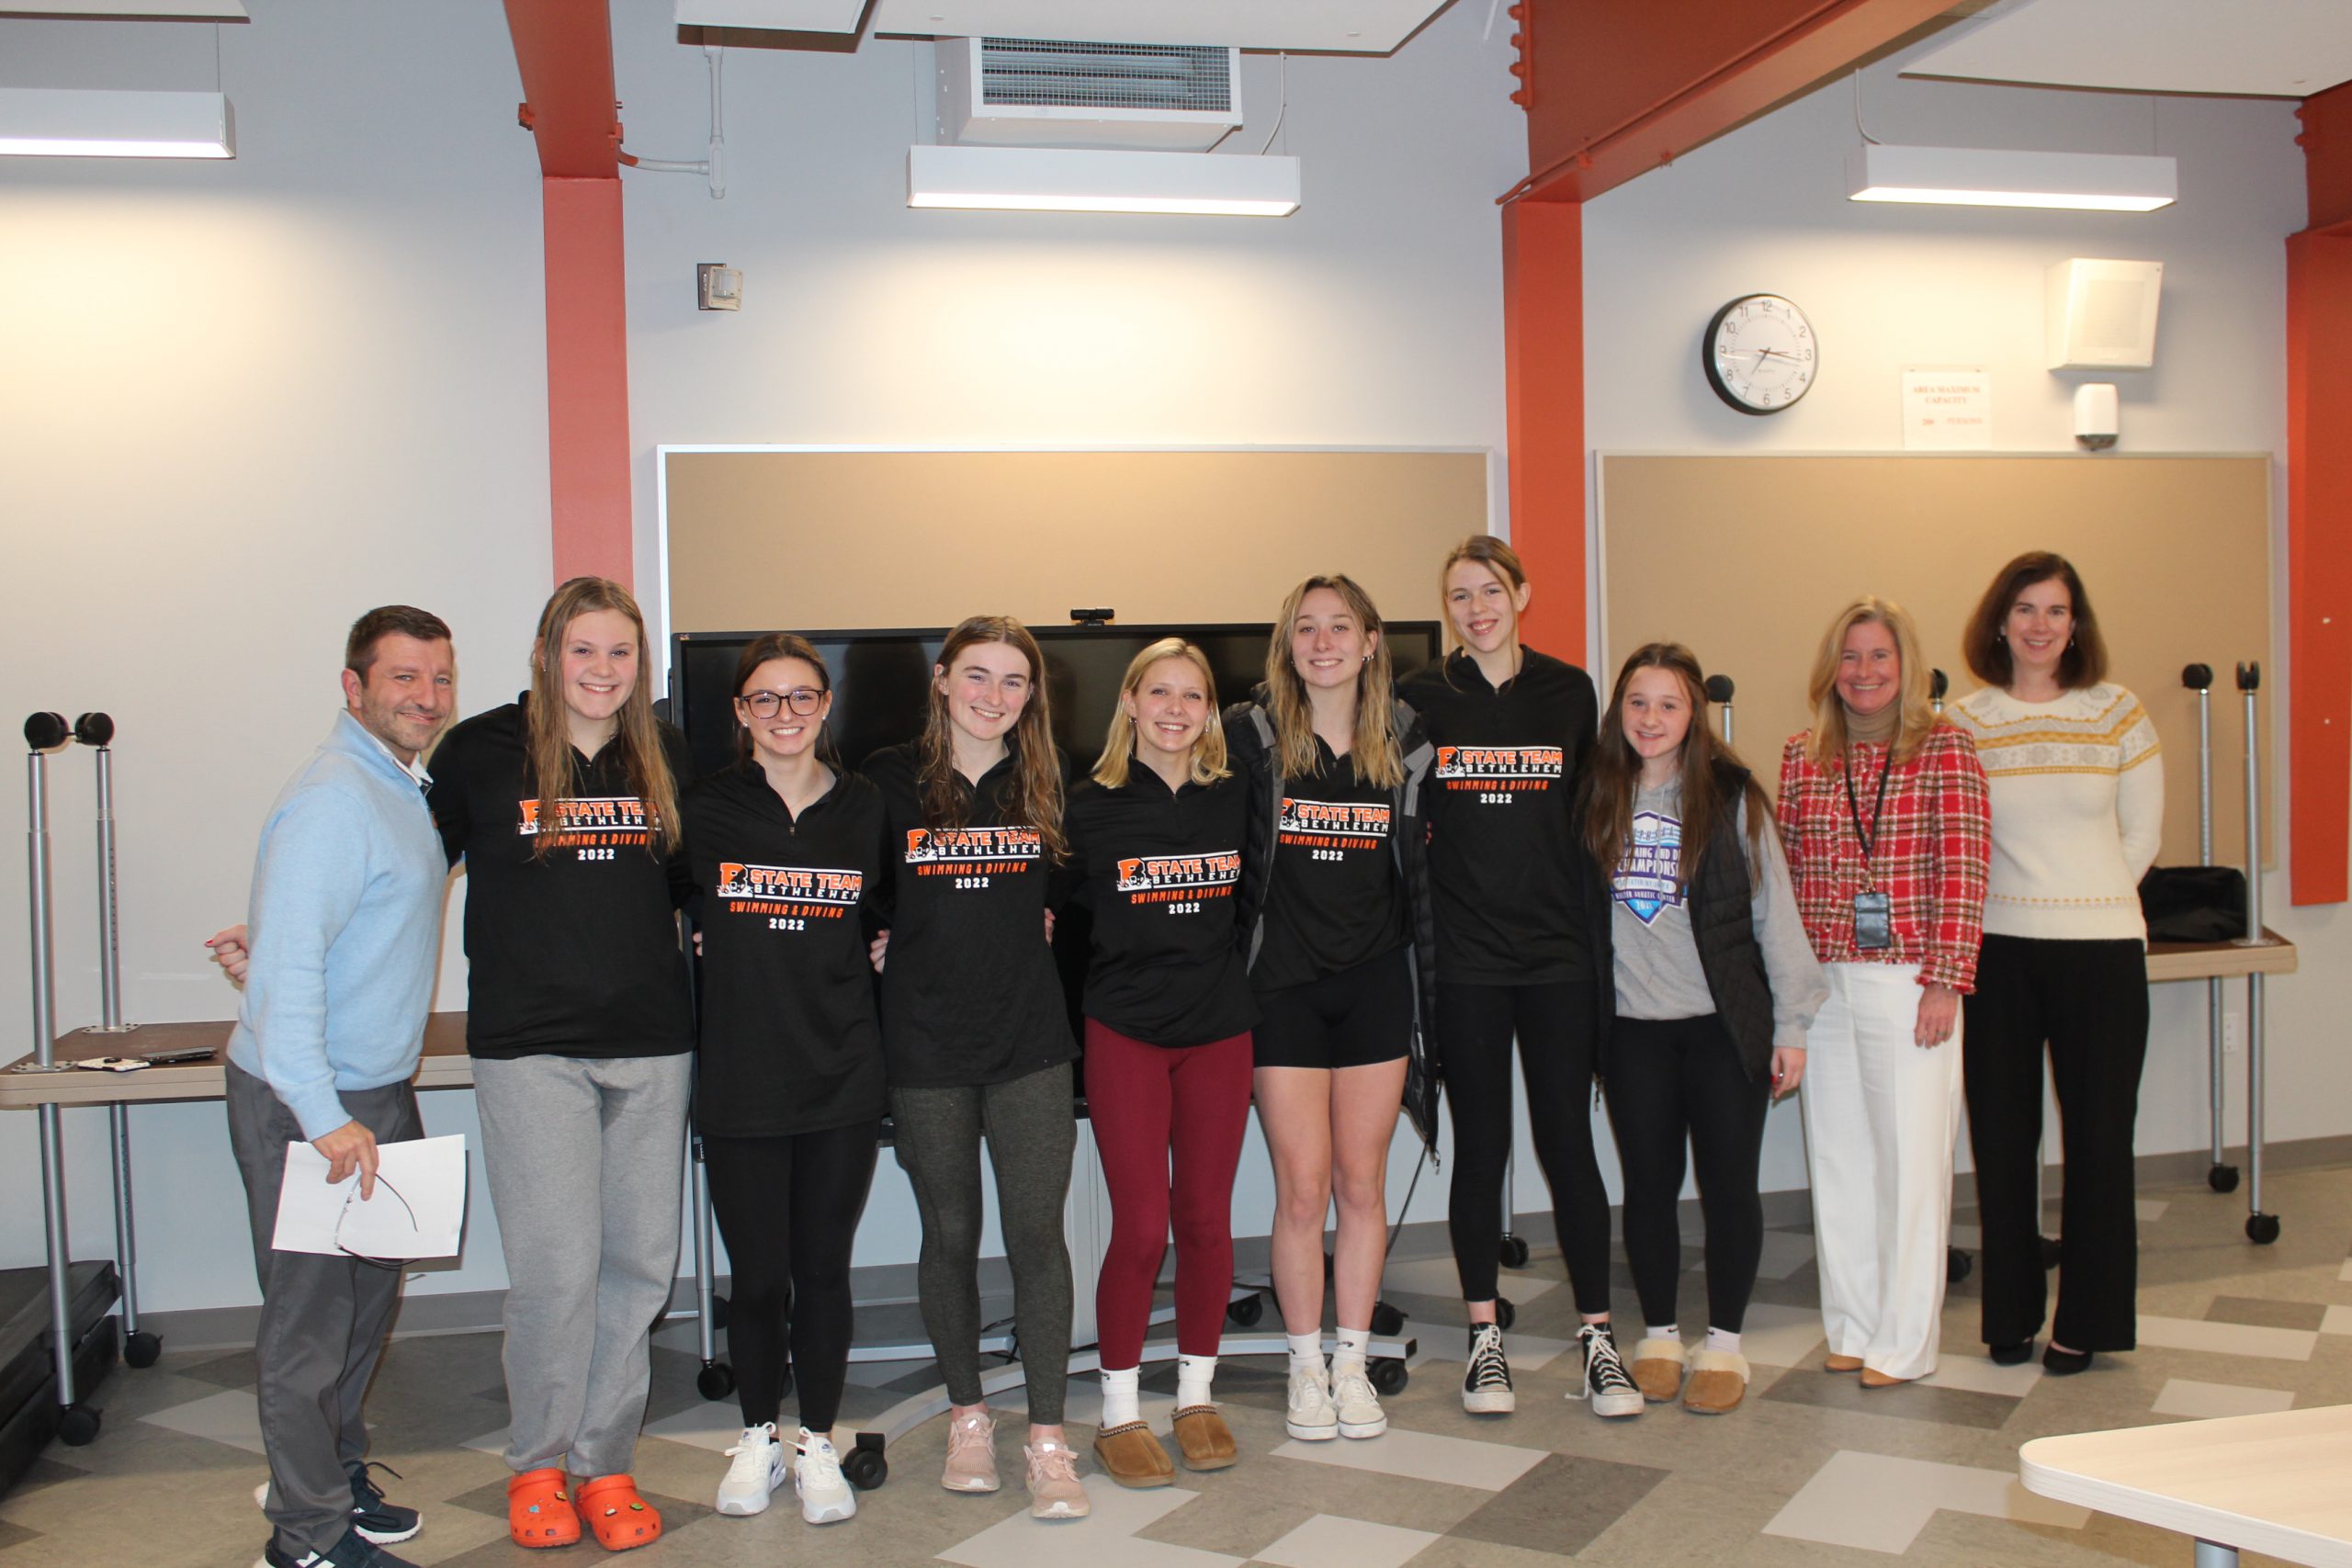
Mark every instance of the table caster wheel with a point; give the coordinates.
(1246, 1310)
(1388, 1375)
(1514, 1252)
(864, 1465)
(1505, 1313)
(715, 1380)
(1958, 1265)
(2053, 1249)
(141, 1349)
(77, 1425)
(2223, 1178)
(1385, 1319)
(2262, 1229)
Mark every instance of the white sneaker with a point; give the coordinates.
(825, 1497)
(1358, 1408)
(1311, 1419)
(756, 1470)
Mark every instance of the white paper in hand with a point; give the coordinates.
(418, 1208)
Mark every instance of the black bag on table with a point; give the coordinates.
(2194, 903)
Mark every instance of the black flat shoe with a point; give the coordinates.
(2064, 1363)
(2015, 1355)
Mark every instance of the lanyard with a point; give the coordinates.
(1854, 807)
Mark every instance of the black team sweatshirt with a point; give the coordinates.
(1503, 868)
(969, 992)
(1157, 870)
(791, 1035)
(572, 951)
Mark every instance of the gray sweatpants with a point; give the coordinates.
(1032, 1130)
(322, 1319)
(584, 1158)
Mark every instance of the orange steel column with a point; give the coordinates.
(588, 445)
(1544, 378)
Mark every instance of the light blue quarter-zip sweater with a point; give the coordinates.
(344, 930)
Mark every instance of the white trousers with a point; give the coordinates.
(1881, 1114)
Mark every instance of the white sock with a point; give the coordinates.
(1121, 1402)
(1351, 1345)
(1722, 1339)
(1661, 1331)
(1306, 1353)
(1192, 1377)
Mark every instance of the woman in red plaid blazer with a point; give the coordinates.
(1884, 818)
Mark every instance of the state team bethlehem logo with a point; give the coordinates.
(609, 820)
(943, 852)
(1333, 824)
(1147, 879)
(789, 884)
(1498, 767)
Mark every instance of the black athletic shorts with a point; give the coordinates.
(1355, 1018)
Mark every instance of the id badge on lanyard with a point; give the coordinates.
(1873, 912)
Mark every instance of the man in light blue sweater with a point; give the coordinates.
(345, 931)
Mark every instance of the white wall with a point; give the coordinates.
(1764, 209)
(246, 401)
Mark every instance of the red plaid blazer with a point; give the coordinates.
(1929, 854)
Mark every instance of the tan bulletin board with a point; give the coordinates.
(1747, 558)
(834, 540)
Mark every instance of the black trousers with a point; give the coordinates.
(2089, 1001)
(1674, 1082)
(1554, 1024)
(787, 1209)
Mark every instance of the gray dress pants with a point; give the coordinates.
(322, 1319)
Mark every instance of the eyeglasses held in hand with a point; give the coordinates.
(765, 704)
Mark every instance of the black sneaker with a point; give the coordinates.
(353, 1550)
(378, 1522)
(1606, 1386)
(1486, 1385)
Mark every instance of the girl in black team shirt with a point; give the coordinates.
(976, 1034)
(1156, 839)
(1341, 956)
(1522, 949)
(563, 805)
(786, 848)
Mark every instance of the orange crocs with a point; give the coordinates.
(611, 1509)
(538, 1509)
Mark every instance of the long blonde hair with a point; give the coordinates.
(1918, 717)
(1038, 789)
(1374, 747)
(548, 772)
(1119, 743)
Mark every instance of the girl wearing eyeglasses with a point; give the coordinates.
(976, 1034)
(786, 852)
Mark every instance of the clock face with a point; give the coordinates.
(1759, 354)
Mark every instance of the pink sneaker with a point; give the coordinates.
(1054, 1489)
(971, 1454)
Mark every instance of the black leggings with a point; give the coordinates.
(1555, 1028)
(787, 1209)
(1671, 1080)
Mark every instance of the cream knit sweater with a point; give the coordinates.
(2079, 804)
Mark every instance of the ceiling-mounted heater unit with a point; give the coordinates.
(1055, 92)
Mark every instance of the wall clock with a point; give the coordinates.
(1759, 354)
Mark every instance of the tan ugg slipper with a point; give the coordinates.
(1203, 1438)
(1718, 1382)
(1657, 1368)
(1131, 1456)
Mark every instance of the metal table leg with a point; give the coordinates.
(2260, 1228)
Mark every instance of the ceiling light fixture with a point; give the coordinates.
(1978, 177)
(54, 122)
(1035, 179)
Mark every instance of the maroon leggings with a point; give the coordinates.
(1167, 1123)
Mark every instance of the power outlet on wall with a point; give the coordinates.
(2232, 1032)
